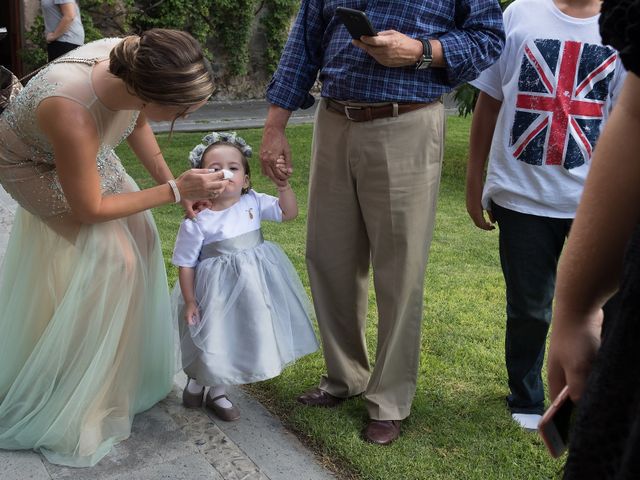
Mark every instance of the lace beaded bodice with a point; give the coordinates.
(27, 163)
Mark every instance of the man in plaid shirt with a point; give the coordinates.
(375, 170)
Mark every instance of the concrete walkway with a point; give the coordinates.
(168, 441)
(173, 443)
(234, 115)
(231, 115)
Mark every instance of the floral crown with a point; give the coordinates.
(195, 156)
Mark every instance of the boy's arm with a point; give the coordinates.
(186, 277)
(483, 126)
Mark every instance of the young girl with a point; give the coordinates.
(242, 311)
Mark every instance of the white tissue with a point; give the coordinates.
(228, 174)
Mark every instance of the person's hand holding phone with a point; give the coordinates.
(391, 48)
(556, 424)
(574, 342)
(356, 22)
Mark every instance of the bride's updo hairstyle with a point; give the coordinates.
(163, 66)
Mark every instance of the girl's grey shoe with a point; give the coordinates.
(192, 400)
(229, 414)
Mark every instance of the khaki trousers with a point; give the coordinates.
(372, 198)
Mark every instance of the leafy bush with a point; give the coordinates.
(224, 27)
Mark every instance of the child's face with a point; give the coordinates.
(229, 158)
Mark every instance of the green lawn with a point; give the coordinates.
(459, 427)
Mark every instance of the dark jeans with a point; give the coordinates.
(56, 49)
(529, 250)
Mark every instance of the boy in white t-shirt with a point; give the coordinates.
(538, 116)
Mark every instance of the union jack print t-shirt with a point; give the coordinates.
(557, 84)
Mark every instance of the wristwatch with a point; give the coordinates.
(426, 58)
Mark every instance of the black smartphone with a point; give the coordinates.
(356, 22)
(555, 425)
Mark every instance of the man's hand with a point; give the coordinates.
(274, 147)
(49, 37)
(391, 48)
(275, 144)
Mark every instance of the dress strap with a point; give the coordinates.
(86, 61)
(11, 86)
(232, 245)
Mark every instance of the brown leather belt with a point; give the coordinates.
(363, 113)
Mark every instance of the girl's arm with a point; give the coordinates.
(186, 277)
(288, 202)
(71, 131)
(483, 125)
(145, 146)
(68, 11)
(591, 264)
(286, 195)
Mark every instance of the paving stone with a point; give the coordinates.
(155, 439)
(22, 465)
(263, 438)
(6, 201)
(193, 467)
(229, 460)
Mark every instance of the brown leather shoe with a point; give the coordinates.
(230, 414)
(319, 398)
(192, 400)
(381, 432)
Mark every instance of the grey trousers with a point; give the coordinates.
(372, 200)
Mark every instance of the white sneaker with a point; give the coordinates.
(528, 421)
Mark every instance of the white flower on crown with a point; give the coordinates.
(195, 156)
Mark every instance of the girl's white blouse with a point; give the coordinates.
(212, 226)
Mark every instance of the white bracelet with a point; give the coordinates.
(174, 188)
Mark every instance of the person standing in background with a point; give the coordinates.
(537, 120)
(63, 28)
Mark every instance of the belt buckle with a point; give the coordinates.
(346, 111)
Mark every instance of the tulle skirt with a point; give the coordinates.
(255, 316)
(86, 336)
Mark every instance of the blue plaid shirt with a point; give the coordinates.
(470, 31)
